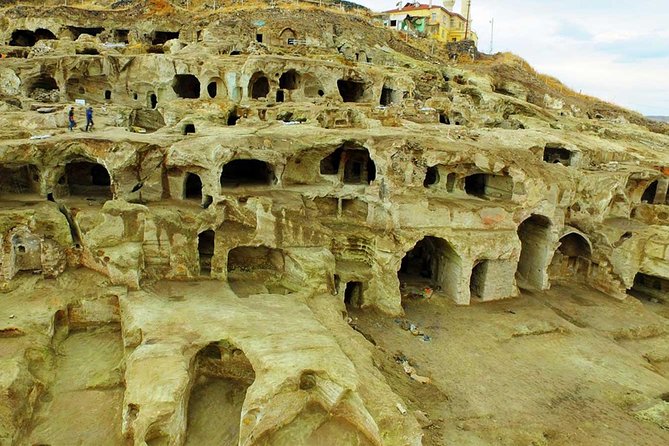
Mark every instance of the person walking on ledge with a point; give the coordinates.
(89, 118)
(70, 118)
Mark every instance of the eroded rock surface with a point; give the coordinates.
(257, 174)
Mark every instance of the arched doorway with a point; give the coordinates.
(192, 187)
(572, 258)
(87, 179)
(650, 192)
(288, 37)
(432, 262)
(352, 165)
(258, 86)
(205, 247)
(186, 86)
(222, 376)
(535, 252)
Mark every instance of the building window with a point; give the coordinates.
(393, 23)
(434, 16)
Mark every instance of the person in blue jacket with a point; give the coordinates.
(89, 118)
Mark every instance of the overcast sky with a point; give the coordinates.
(615, 50)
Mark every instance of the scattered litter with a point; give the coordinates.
(427, 109)
(291, 123)
(44, 110)
(409, 326)
(138, 129)
(511, 311)
(424, 293)
(41, 136)
(401, 408)
(420, 379)
(12, 316)
(400, 358)
(411, 370)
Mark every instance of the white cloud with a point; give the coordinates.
(618, 52)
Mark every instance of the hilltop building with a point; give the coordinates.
(438, 22)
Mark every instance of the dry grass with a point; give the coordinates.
(161, 7)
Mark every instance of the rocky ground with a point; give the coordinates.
(291, 226)
(562, 367)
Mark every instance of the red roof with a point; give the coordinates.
(422, 6)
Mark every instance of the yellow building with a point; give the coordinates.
(437, 22)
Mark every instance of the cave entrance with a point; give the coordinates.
(222, 376)
(188, 129)
(535, 239)
(650, 288)
(43, 88)
(432, 262)
(259, 86)
(246, 172)
(186, 86)
(290, 80)
(350, 90)
(206, 241)
(353, 295)
(572, 258)
(489, 186)
(78, 31)
(88, 52)
(161, 37)
(121, 36)
(478, 279)
(650, 193)
(557, 155)
(153, 100)
(24, 37)
(352, 165)
(192, 187)
(20, 181)
(233, 117)
(359, 167)
(431, 176)
(212, 89)
(256, 270)
(389, 96)
(87, 179)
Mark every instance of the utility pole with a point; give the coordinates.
(469, 6)
(492, 33)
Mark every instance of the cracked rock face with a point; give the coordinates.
(182, 272)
